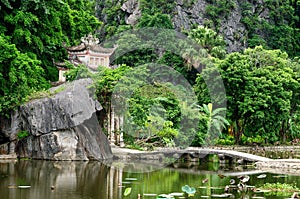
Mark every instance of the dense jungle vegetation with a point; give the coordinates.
(261, 82)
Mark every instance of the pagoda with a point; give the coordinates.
(89, 53)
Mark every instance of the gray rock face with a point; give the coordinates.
(61, 127)
(234, 31)
(231, 28)
(132, 8)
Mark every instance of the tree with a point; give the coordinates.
(132, 51)
(40, 27)
(20, 75)
(209, 40)
(215, 122)
(33, 32)
(157, 6)
(260, 85)
(157, 20)
(279, 30)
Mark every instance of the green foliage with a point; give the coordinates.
(217, 9)
(279, 30)
(200, 136)
(133, 52)
(114, 17)
(256, 40)
(22, 134)
(260, 85)
(157, 20)
(44, 93)
(209, 40)
(215, 123)
(127, 191)
(178, 63)
(279, 189)
(157, 6)
(252, 140)
(226, 140)
(20, 75)
(105, 82)
(31, 36)
(155, 109)
(40, 27)
(78, 72)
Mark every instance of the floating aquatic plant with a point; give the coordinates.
(190, 191)
(164, 196)
(127, 191)
(279, 189)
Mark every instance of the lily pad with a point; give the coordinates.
(176, 194)
(216, 188)
(225, 195)
(189, 190)
(163, 196)
(262, 176)
(127, 191)
(149, 194)
(24, 186)
(126, 182)
(131, 179)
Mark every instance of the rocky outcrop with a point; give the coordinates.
(61, 127)
(188, 13)
(132, 8)
(231, 27)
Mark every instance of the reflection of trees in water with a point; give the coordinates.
(71, 180)
(82, 180)
(99, 181)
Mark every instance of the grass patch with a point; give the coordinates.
(44, 93)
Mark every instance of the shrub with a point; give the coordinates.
(22, 134)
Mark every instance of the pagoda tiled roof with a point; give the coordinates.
(79, 47)
(96, 48)
(100, 49)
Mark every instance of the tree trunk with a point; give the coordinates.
(121, 119)
(112, 126)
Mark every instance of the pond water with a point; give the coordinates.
(89, 180)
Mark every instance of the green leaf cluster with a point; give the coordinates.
(22, 134)
(31, 37)
(279, 30)
(260, 85)
(20, 75)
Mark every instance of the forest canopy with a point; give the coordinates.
(261, 80)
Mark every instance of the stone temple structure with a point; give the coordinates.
(89, 52)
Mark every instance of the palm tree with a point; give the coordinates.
(216, 122)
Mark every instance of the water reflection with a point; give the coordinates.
(68, 179)
(85, 180)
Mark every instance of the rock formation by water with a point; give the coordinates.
(60, 127)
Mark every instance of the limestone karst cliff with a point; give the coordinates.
(242, 23)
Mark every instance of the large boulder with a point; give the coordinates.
(62, 126)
